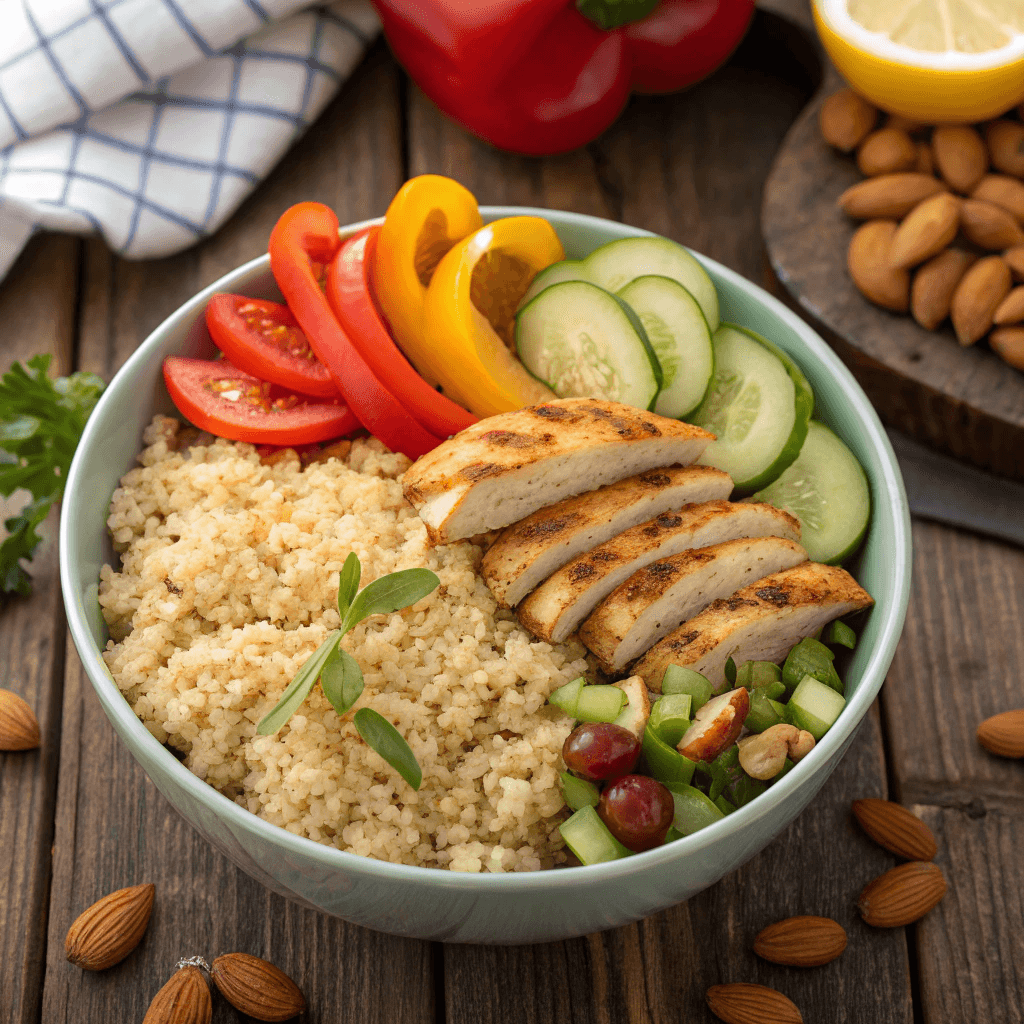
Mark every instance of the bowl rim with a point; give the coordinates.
(136, 735)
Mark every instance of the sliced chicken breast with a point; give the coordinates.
(657, 598)
(505, 467)
(565, 599)
(530, 551)
(761, 622)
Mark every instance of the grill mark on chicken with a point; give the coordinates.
(655, 479)
(549, 527)
(481, 471)
(679, 642)
(581, 571)
(775, 595)
(510, 439)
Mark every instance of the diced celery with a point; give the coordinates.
(579, 792)
(810, 657)
(670, 717)
(724, 806)
(693, 810)
(684, 680)
(600, 703)
(663, 762)
(754, 674)
(588, 837)
(567, 697)
(841, 634)
(814, 706)
(761, 715)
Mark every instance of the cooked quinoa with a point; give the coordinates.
(229, 582)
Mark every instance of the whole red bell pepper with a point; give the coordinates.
(547, 76)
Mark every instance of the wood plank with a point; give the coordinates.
(37, 302)
(970, 949)
(690, 166)
(113, 827)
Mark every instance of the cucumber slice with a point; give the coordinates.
(752, 674)
(588, 837)
(693, 810)
(678, 679)
(677, 330)
(600, 703)
(664, 763)
(670, 717)
(826, 489)
(615, 264)
(567, 697)
(584, 342)
(814, 706)
(579, 792)
(564, 270)
(759, 405)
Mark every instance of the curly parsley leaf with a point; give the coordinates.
(41, 422)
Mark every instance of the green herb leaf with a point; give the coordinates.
(348, 583)
(730, 671)
(389, 594)
(383, 737)
(299, 687)
(341, 680)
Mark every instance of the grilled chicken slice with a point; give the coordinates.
(564, 600)
(505, 467)
(657, 598)
(761, 622)
(530, 551)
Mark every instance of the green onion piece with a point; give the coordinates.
(663, 763)
(578, 792)
(600, 703)
(567, 697)
(753, 674)
(684, 680)
(670, 717)
(588, 837)
(348, 583)
(389, 594)
(299, 687)
(341, 680)
(383, 737)
(841, 634)
(808, 658)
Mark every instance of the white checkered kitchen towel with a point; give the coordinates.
(149, 121)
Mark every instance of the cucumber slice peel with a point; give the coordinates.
(588, 837)
(670, 717)
(579, 793)
(678, 679)
(814, 706)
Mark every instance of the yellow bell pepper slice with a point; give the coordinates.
(470, 313)
(426, 218)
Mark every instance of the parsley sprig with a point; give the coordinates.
(341, 678)
(41, 422)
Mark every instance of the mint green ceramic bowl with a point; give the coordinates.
(429, 903)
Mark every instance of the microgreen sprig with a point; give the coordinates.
(339, 673)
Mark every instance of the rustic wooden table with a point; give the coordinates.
(79, 818)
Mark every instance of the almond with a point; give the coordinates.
(925, 161)
(846, 119)
(1003, 734)
(751, 1004)
(960, 156)
(19, 729)
(1008, 344)
(1015, 259)
(1011, 309)
(904, 124)
(934, 285)
(1003, 191)
(110, 929)
(257, 987)
(977, 297)
(867, 260)
(886, 152)
(801, 941)
(1006, 147)
(895, 828)
(988, 226)
(889, 195)
(903, 895)
(925, 231)
(185, 999)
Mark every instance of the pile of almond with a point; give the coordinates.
(943, 208)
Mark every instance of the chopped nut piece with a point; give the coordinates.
(762, 756)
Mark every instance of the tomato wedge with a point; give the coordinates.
(264, 339)
(350, 293)
(231, 403)
(307, 235)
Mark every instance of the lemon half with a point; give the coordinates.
(929, 60)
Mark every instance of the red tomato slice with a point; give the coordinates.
(350, 293)
(264, 339)
(228, 402)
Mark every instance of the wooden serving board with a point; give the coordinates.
(967, 402)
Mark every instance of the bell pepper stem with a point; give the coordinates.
(610, 14)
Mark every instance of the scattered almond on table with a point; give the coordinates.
(1003, 734)
(895, 829)
(105, 933)
(751, 1004)
(801, 941)
(944, 220)
(902, 895)
(19, 728)
(185, 999)
(257, 987)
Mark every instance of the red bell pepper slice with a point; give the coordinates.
(231, 403)
(350, 293)
(263, 338)
(539, 77)
(307, 234)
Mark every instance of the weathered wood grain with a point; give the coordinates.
(37, 303)
(113, 828)
(690, 166)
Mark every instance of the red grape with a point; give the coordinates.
(599, 751)
(637, 811)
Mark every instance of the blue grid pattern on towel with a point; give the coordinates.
(174, 154)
